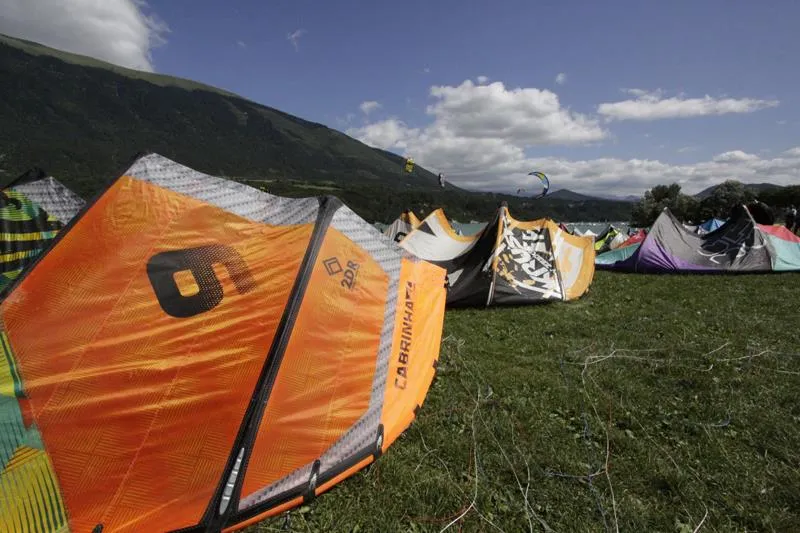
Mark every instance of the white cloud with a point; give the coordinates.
(522, 116)
(117, 31)
(623, 177)
(477, 128)
(734, 156)
(426, 70)
(561, 79)
(686, 149)
(652, 105)
(294, 37)
(390, 133)
(780, 122)
(369, 106)
(482, 79)
(479, 135)
(241, 44)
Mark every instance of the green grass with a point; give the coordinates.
(652, 404)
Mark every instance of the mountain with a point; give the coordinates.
(82, 120)
(93, 117)
(755, 187)
(629, 198)
(572, 196)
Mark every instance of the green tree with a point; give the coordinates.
(723, 198)
(656, 199)
(781, 197)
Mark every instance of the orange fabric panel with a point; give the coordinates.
(411, 218)
(445, 224)
(417, 337)
(325, 380)
(139, 409)
(525, 225)
(576, 269)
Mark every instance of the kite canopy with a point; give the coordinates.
(538, 186)
(213, 355)
(710, 225)
(610, 239)
(595, 229)
(740, 245)
(636, 238)
(402, 226)
(33, 209)
(508, 262)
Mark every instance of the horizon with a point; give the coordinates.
(659, 98)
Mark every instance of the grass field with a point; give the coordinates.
(652, 404)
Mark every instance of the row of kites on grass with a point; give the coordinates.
(188, 353)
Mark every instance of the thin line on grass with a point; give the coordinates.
(586, 432)
(608, 449)
(715, 350)
(750, 357)
(585, 372)
(780, 371)
(529, 510)
(660, 448)
(606, 468)
(701, 521)
(475, 459)
(441, 461)
(459, 343)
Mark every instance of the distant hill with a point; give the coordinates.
(568, 195)
(755, 187)
(82, 120)
(36, 49)
(629, 198)
(76, 115)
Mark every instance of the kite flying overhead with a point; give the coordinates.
(539, 178)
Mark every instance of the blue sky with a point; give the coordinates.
(739, 54)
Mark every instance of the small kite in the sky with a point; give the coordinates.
(540, 178)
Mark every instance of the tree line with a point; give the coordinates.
(718, 204)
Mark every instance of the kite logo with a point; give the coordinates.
(406, 334)
(731, 246)
(525, 261)
(163, 268)
(333, 266)
(349, 278)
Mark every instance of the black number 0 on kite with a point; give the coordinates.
(162, 267)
